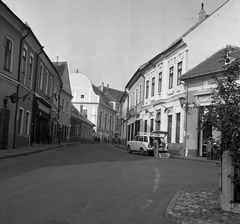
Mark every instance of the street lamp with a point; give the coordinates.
(184, 101)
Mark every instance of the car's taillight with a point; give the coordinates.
(149, 145)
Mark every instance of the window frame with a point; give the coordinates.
(27, 122)
(179, 72)
(20, 121)
(147, 88)
(24, 62)
(169, 136)
(171, 71)
(30, 69)
(51, 86)
(40, 80)
(178, 125)
(8, 54)
(153, 87)
(46, 81)
(160, 82)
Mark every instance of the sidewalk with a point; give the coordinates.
(36, 148)
(197, 159)
(198, 206)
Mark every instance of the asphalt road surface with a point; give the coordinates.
(95, 184)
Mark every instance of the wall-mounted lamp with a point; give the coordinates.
(182, 101)
(166, 110)
(147, 111)
(14, 98)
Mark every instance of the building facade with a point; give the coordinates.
(65, 101)
(162, 87)
(30, 86)
(200, 82)
(81, 128)
(10, 39)
(94, 105)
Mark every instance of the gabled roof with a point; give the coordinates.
(213, 64)
(103, 99)
(136, 75)
(112, 94)
(60, 66)
(177, 42)
(62, 69)
(77, 114)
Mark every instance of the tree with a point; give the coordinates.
(224, 114)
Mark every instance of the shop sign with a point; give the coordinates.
(204, 99)
(43, 107)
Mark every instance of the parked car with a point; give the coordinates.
(143, 143)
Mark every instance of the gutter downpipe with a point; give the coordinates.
(59, 109)
(185, 131)
(19, 68)
(33, 104)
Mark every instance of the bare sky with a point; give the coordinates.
(108, 40)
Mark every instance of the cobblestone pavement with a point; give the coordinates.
(199, 207)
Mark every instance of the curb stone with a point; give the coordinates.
(34, 151)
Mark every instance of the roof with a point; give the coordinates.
(112, 94)
(103, 99)
(213, 64)
(77, 114)
(136, 75)
(60, 66)
(176, 42)
(34, 36)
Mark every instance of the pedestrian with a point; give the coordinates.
(209, 148)
(155, 147)
(98, 139)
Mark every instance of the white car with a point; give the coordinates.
(143, 143)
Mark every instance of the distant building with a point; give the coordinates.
(94, 105)
(114, 96)
(81, 128)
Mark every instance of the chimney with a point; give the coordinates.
(202, 14)
(102, 86)
(107, 86)
(81, 108)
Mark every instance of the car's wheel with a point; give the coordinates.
(142, 152)
(129, 149)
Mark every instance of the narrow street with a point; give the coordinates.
(95, 184)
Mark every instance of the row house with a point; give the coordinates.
(114, 97)
(65, 102)
(135, 91)
(124, 102)
(161, 87)
(29, 88)
(81, 128)
(10, 41)
(200, 82)
(93, 103)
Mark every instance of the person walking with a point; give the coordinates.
(155, 147)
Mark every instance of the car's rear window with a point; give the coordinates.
(140, 138)
(145, 138)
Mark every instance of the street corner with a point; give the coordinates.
(199, 206)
